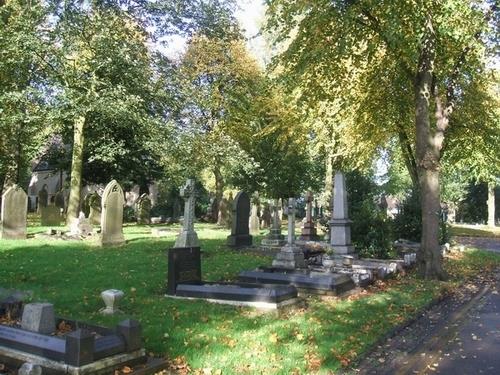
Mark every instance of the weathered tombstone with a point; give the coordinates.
(266, 216)
(188, 237)
(290, 255)
(50, 215)
(95, 210)
(309, 227)
(112, 215)
(274, 240)
(14, 211)
(254, 220)
(143, 205)
(340, 225)
(222, 218)
(59, 200)
(43, 198)
(240, 230)
(39, 317)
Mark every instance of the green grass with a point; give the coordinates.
(474, 231)
(321, 335)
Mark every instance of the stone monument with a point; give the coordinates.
(188, 237)
(309, 227)
(290, 256)
(240, 213)
(143, 207)
(340, 225)
(50, 215)
(14, 211)
(95, 208)
(43, 198)
(274, 240)
(112, 215)
(222, 218)
(254, 215)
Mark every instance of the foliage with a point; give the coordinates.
(473, 208)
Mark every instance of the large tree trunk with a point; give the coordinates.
(219, 192)
(76, 169)
(491, 204)
(428, 155)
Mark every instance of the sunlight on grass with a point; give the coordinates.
(323, 334)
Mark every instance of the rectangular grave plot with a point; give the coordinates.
(184, 266)
(34, 343)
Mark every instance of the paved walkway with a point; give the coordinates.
(491, 244)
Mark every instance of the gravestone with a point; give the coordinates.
(240, 230)
(43, 198)
(340, 225)
(112, 215)
(59, 200)
(143, 205)
(274, 240)
(39, 317)
(184, 266)
(309, 227)
(254, 220)
(14, 211)
(95, 210)
(188, 237)
(290, 255)
(50, 215)
(266, 216)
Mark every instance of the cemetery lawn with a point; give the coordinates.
(321, 335)
(474, 231)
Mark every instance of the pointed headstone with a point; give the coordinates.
(14, 212)
(240, 235)
(112, 215)
(188, 237)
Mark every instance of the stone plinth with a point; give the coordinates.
(340, 225)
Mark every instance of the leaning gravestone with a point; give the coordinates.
(240, 215)
(14, 211)
(188, 237)
(112, 215)
(50, 215)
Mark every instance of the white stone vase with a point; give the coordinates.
(111, 297)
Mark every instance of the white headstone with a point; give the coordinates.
(112, 215)
(14, 211)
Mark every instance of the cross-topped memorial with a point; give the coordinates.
(188, 237)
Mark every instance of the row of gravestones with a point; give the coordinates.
(14, 214)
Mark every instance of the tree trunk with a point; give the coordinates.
(76, 169)
(428, 155)
(219, 191)
(491, 204)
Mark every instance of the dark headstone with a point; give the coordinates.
(11, 307)
(131, 332)
(43, 197)
(240, 235)
(184, 266)
(79, 348)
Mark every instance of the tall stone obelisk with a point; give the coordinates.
(340, 225)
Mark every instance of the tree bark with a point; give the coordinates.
(491, 204)
(219, 191)
(76, 169)
(428, 155)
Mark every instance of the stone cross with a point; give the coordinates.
(14, 212)
(291, 221)
(309, 200)
(188, 237)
